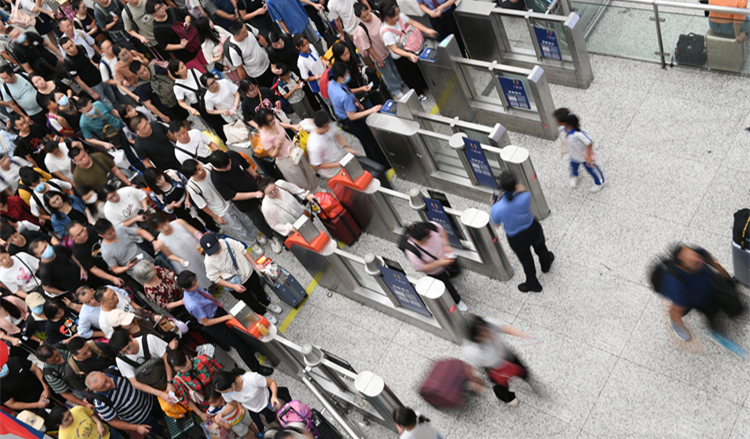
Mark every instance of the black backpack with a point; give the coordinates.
(73, 381)
(691, 50)
(740, 230)
(657, 273)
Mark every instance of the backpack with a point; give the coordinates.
(232, 71)
(73, 381)
(740, 233)
(200, 92)
(162, 87)
(657, 273)
(691, 50)
(151, 372)
(410, 39)
(190, 34)
(323, 83)
(96, 350)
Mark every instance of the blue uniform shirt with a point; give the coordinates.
(290, 12)
(515, 215)
(342, 98)
(198, 306)
(433, 4)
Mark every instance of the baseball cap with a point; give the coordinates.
(210, 244)
(34, 299)
(119, 317)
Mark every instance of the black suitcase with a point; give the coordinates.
(323, 427)
(376, 169)
(691, 50)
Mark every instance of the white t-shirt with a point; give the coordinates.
(344, 9)
(197, 146)
(56, 164)
(224, 99)
(420, 431)
(389, 38)
(310, 64)
(577, 143)
(490, 353)
(128, 207)
(34, 206)
(123, 303)
(204, 193)
(323, 148)
(156, 348)
(107, 70)
(254, 58)
(254, 395)
(18, 277)
(9, 178)
(182, 93)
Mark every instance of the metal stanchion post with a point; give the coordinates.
(371, 263)
(314, 358)
(487, 244)
(373, 388)
(443, 308)
(519, 162)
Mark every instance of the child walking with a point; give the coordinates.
(580, 147)
(289, 86)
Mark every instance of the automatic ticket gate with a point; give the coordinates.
(488, 92)
(527, 39)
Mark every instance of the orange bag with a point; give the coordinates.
(257, 146)
(329, 206)
(249, 160)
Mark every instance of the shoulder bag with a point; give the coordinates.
(110, 133)
(151, 372)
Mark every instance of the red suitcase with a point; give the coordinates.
(342, 227)
(445, 384)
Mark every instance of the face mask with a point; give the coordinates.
(4, 371)
(91, 113)
(21, 39)
(42, 186)
(48, 252)
(347, 79)
(38, 310)
(64, 101)
(94, 198)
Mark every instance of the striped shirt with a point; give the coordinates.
(129, 404)
(58, 385)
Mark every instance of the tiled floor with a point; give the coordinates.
(675, 156)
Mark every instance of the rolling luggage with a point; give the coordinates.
(445, 384)
(285, 286)
(336, 219)
(741, 264)
(323, 427)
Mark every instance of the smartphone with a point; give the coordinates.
(139, 257)
(271, 406)
(494, 197)
(370, 84)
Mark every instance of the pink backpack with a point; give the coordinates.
(295, 411)
(410, 39)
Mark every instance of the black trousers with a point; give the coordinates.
(268, 415)
(224, 333)
(266, 78)
(503, 393)
(446, 25)
(359, 129)
(254, 296)
(533, 237)
(411, 74)
(256, 216)
(448, 285)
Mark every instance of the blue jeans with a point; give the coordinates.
(595, 172)
(728, 28)
(103, 96)
(311, 33)
(390, 75)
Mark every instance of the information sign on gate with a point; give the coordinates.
(479, 164)
(403, 290)
(547, 39)
(515, 92)
(436, 213)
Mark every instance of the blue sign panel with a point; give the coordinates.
(428, 54)
(403, 290)
(389, 107)
(515, 93)
(479, 164)
(547, 39)
(436, 213)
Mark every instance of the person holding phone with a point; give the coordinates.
(261, 396)
(119, 250)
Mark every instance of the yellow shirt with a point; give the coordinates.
(82, 427)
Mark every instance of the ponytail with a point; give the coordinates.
(564, 115)
(421, 419)
(223, 380)
(507, 183)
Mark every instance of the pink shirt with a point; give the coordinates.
(8, 327)
(363, 43)
(268, 140)
(433, 246)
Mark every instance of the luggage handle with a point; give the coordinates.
(283, 413)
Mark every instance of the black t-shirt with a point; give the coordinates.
(165, 35)
(34, 51)
(288, 54)
(33, 325)
(262, 22)
(89, 253)
(96, 363)
(88, 22)
(81, 66)
(21, 384)
(59, 87)
(61, 273)
(157, 148)
(33, 145)
(30, 235)
(251, 105)
(235, 180)
(62, 329)
(145, 93)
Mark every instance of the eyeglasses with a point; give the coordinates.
(210, 84)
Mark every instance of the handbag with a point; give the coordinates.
(21, 18)
(108, 131)
(236, 132)
(504, 372)
(295, 154)
(151, 372)
(194, 395)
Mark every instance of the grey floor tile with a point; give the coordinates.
(425, 344)
(736, 157)
(728, 192)
(638, 402)
(719, 245)
(591, 306)
(741, 428)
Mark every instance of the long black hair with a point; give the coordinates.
(223, 380)
(205, 31)
(507, 183)
(151, 175)
(48, 196)
(564, 115)
(407, 417)
(338, 50)
(418, 231)
(10, 308)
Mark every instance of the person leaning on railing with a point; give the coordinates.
(726, 23)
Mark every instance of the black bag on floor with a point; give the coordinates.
(323, 426)
(691, 50)
(741, 228)
(376, 169)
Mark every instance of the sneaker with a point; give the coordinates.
(276, 245)
(573, 182)
(525, 288)
(462, 306)
(549, 266)
(271, 319)
(728, 344)
(680, 330)
(274, 308)
(422, 98)
(598, 187)
(256, 250)
(513, 403)
(261, 239)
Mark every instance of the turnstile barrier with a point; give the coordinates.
(527, 39)
(488, 92)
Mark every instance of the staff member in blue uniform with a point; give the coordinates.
(351, 114)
